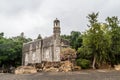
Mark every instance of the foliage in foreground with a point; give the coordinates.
(83, 63)
(101, 42)
(11, 50)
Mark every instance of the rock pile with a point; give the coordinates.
(63, 66)
(51, 66)
(77, 68)
(25, 70)
(66, 66)
(51, 69)
(117, 67)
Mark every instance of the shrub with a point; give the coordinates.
(84, 63)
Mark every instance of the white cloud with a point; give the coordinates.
(35, 17)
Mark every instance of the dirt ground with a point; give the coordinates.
(77, 75)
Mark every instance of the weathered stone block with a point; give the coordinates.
(25, 70)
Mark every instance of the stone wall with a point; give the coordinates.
(32, 52)
(47, 49)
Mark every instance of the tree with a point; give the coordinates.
(94, 41)
(11, 50)
(1, 34)
(75, 39)
(114, 33)
(66, 37)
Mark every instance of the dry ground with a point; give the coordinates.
(78, 75)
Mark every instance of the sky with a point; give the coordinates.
(35, 17)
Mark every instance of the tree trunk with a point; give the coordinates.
(94, 61)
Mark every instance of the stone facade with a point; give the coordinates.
(47, 49)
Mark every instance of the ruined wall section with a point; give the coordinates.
(25, 53)
(57, 49)
(32, 52)
(47, 49)
(57, 45)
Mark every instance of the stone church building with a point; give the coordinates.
(47, 49)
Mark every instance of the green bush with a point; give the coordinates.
(83, 63)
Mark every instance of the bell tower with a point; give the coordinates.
(56, 29)
(56, 34)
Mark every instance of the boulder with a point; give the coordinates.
(51, 69)
(25, 70)
(76, 68)
(117, 67)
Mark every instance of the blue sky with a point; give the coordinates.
(35, 17)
